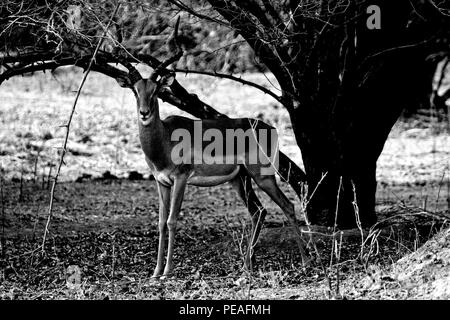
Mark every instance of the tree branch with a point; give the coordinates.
(67, 126)
(100, 65)
(273, 56)
(191, 11)
(233, 78)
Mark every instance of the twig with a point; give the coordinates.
(43, 179)
(439, 191)
(338, 269)
(3, 240)
(193, 12)
(357, 219)
(448, 185)
(66, 138)
(113, 267)
(49, 175)
(35, 168)
(36, 221)
(21, 185)
(316, 187)
(233, 78)
(333, 240)
(304, 203)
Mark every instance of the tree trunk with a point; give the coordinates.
(349, 166)
(344, 141)
(348, 162)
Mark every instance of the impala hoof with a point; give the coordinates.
(167, 276)
(155, 278)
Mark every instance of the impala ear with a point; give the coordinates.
(167, 80)
(124, 82)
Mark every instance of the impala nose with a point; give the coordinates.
(144, 113)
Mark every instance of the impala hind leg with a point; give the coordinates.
(177, 195)
(164, 203)
(243, 184)
(269, 185)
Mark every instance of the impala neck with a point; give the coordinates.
(152, 135)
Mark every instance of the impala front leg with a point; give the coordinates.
(164, 203)
(178, 189)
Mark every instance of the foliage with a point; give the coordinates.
(59, 27)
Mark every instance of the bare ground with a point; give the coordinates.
(108, 229)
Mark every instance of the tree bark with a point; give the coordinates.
(344, 141)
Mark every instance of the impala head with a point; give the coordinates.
(146, 91)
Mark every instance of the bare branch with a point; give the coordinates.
(231, 77)
(274, 58)
(175, 55)
(66, 138)
(195, 13)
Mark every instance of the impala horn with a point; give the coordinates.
(173, 46)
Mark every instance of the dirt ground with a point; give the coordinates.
(103, 234)
(108, 231)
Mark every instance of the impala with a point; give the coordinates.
(173, 171)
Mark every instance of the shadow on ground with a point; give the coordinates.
(103, 240)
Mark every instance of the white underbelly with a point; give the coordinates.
(209, 181)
